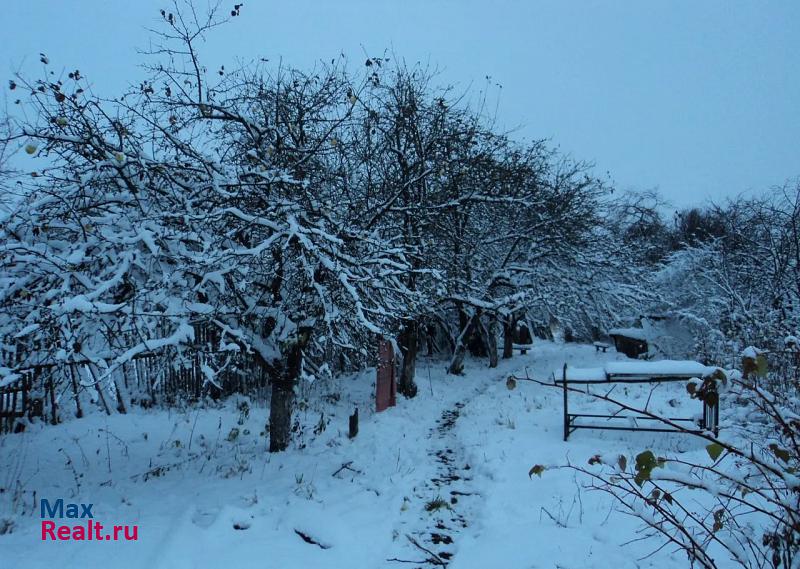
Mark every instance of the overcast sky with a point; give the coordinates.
(700, 99)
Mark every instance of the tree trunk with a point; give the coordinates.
(282, 401)
(76, 392)
(99, 390)
(508, 337)
(491, 340)
(430, 340)
(457, 363)
(556, 330)
(408, 348)
(475, 340)
(280, 412)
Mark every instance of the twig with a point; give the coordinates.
(558, 522)
(191, 434)
(310, 540)
(346, 466)
(434, 559)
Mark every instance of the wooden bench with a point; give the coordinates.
(523, 348)
(601, 346)
(635, 372)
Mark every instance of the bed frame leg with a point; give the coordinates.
(711, 416)
(566, 407)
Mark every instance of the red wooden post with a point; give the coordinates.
(385, 385)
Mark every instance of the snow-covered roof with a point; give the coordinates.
(635, 333)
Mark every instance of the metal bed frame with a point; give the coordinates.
(710, 420)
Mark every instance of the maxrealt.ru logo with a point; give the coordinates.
(86, 530)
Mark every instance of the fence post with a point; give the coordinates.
(353, 430)
(711, 411)
(385, 385)
(53, 405)
(566, 408)
(12, 415)
(2, 408)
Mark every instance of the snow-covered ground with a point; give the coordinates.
(446, 472)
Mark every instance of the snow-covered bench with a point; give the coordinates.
(523, 348)
(601, 346)
(635, 372)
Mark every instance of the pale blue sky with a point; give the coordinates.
(698, 98)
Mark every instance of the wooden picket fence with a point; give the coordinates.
(48, 390)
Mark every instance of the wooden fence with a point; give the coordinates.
(48, 390)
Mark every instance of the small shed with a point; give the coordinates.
(629, 341)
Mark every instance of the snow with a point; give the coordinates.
(750, 352)
(635, 333)
(27, 330)
(81, 303)
(634, 369)
(183, 333)
(584, 374)
(199, 307)
(661, 367)
(186, 479)
(7, 376)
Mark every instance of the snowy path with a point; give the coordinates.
(214, 498)
(448, 502)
